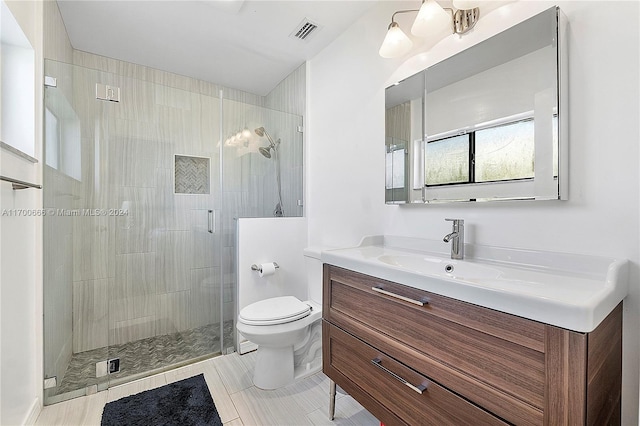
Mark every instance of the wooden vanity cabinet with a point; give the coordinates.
(422, 358)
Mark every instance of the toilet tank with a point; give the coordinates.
(313, 267)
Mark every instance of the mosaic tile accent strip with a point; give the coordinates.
(142, 356)
(191, 175)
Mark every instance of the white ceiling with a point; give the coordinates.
(241, 44)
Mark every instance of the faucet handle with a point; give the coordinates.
(456, 221)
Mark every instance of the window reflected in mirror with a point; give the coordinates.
(505, 152)
(447, 161)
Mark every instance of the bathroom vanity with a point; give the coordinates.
(435, 346)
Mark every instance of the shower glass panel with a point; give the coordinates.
(262, 168)
(141, 197)
(61, 194)
(132, 261)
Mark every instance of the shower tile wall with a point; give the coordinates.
(138, 275)
(57, 45)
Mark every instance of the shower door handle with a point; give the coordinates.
(212, 225)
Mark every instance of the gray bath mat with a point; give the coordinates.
(187, 402)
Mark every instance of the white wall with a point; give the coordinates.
(280, 240)
(21, 260)
(346, 158)
(262, 240)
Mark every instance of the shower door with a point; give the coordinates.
(133, 265)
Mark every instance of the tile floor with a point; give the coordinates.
(304, 402)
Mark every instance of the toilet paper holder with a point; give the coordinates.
(258, 268)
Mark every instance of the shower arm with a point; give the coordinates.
(271, 142)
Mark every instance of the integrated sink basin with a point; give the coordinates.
(571, 291)
(446, 268)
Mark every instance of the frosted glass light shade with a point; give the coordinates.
(396, 43)
(432, 21)
(466, 4)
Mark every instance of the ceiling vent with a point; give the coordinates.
(304, 30)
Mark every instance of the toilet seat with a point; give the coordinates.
(276, 310)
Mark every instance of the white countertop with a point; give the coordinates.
(571, 291)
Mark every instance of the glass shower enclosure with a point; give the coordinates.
(142, 185)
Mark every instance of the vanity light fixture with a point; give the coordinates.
(432, 22)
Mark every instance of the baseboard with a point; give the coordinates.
(247, 346)
(34, 412)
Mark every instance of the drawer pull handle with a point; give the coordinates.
(421, 302)
(378, 363)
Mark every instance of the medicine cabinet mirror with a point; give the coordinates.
(488, 123)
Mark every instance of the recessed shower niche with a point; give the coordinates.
(191, 175)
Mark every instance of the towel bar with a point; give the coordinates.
(20, 184)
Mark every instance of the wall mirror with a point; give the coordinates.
(488, 123)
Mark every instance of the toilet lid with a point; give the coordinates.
(277, 310)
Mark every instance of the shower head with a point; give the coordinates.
(260, 131)
(265, 151)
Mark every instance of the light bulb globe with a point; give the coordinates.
(396, 43)
(432, 22)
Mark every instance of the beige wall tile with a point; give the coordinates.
(174, 261)
(90, 314)
(173, 312)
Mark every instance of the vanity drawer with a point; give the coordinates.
(410, 396)
(490, 357)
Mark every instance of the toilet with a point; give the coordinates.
(288, 331)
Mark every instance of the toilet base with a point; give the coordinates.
(274, 367)
(286, 351)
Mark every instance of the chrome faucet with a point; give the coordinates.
(457, 239)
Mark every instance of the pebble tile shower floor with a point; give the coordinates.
(143, 356)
